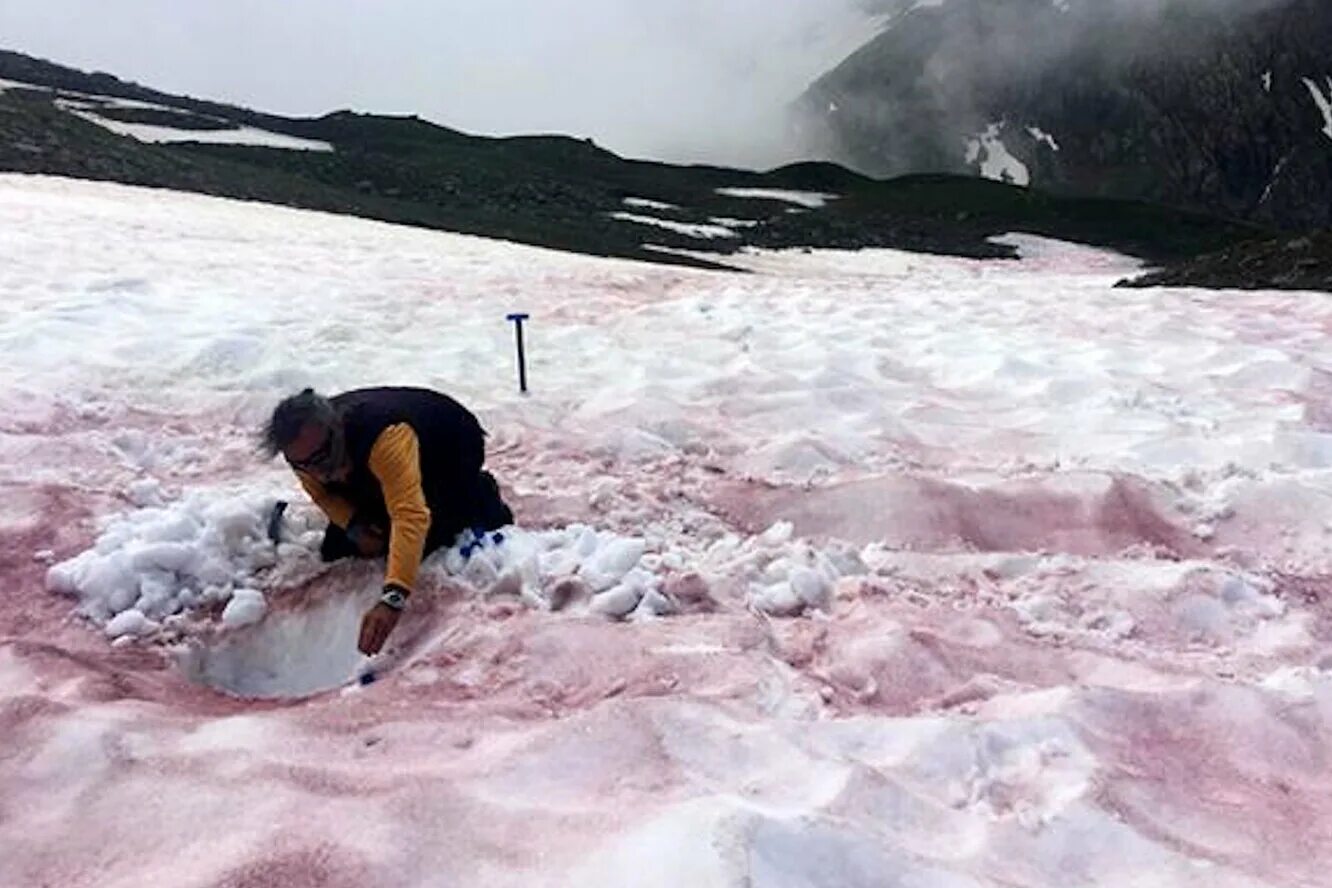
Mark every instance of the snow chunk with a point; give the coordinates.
(245, 607)
(131, 622)
(145, 492)
(164, 560)
(612, 562)
(619, 601)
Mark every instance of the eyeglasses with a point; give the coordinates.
(322, 457)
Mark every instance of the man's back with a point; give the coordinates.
(449, 440)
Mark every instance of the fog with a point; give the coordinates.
(685, 80)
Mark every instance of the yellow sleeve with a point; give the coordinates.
(338, 510)
(395, 461)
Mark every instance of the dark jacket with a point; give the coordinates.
(416, 458)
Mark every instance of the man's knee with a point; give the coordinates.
(336, 544)
(493, 512)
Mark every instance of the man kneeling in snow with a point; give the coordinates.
(401, 465)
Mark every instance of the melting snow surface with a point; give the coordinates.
(862, 568)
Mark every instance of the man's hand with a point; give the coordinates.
(376, 625)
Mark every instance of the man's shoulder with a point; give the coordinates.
(388, 394)
(410, 404)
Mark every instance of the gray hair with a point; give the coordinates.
(291, 415)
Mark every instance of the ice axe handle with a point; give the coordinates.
(517, 318)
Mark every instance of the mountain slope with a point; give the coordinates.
(544, 190)
(1218, 106)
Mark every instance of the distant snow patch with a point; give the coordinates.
(734, 223)
(1041, 136)
(643, 203)
(16, 84)
(245, 135)
(1324, 102)
(86, 105)
(1276, 175)
(994, 159)
(690, 229)
(811, 199)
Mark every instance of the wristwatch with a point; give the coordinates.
(394, 598)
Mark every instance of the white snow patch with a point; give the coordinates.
(691, 229)
(729, 222)
(1324, 102)
(988, 151)
(1041, 136)
(86, 105)
(1296, 683)
(936, 370)
(244, 135)
(130, 622)
(643, 203)
(16, 84)
(810, 199)
(1276, 175)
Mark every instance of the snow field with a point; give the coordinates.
(864, 568)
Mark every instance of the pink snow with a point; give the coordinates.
(1063, 552)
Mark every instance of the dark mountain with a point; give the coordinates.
(1223, 106)
(548, 191)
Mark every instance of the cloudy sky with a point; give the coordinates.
(682, 80)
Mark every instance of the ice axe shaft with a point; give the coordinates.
(517, 318)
